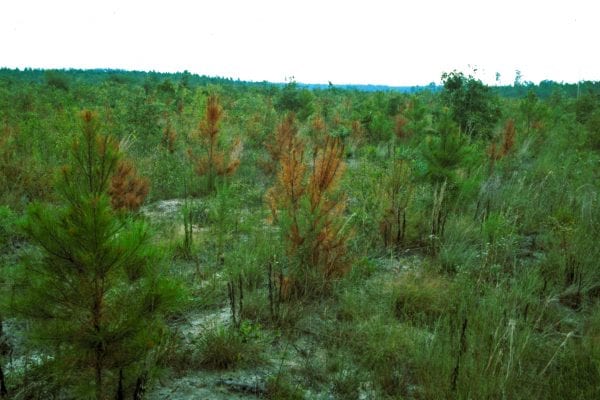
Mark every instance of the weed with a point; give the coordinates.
(224, 348)
(280, 388)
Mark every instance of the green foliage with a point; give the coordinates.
(173, 175)
(446, 152)
(223, 218)
(516, 355)
(532, 110)
(474, 106)
(585, 105)
(417, 115)
(459, 251)
(500, 240)
(365, 204)
(8, 228)
(143, 116)
(423, 299)
(386, 354)
(95, 296)
(249, 256)
(296, 100)
(493, 293)
(593, 127)
(57, 80)
(224, 348)
(189, 214)
(23, 177)
(281, 388)
(379, 127)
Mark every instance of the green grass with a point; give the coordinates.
(226, 348)
(504, 303)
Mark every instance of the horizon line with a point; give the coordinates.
(285, 82)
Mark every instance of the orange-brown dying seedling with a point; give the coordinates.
(215, 162)
(400, 127)
(127, 190)
(497, 152)
(314, 228)
(280, 142)
(169, 137)
(508, 137)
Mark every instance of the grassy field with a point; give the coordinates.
(189, 237)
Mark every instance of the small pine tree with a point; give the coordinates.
(356, 132)
(310, 213)
(169, 137)
(318, 133)
(495, 152)
(279, 143)
(216, 162)
(400, 127)
(95, 298)
(445, 154)
(508, 137)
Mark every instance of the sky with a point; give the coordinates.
(399, 43)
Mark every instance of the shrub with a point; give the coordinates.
(474, 106)
(296, 100)
(57, 79)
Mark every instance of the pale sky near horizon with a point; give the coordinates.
(359, 42)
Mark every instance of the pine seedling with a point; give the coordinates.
(497, 152)
(493, 156)
(446, 152)
(400, 128)
(356, 131)
(94, 298)
(508, 137)
(318, 133)
(445, 155)
(216, 162)
(329, 251)
(169, 138)
(280, 142)
(310, 215)
(290, 186)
